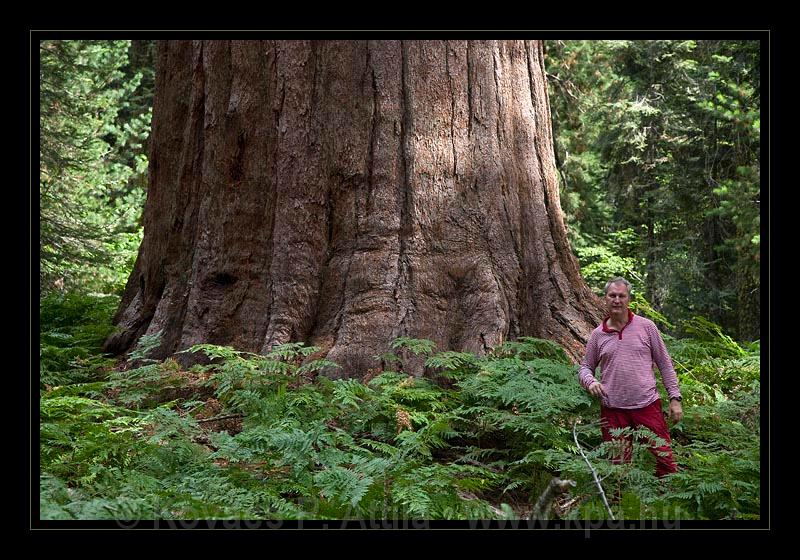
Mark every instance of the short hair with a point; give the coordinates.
(618, 280)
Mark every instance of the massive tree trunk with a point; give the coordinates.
(345, 193)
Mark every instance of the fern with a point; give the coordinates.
(383, 447)
(144, 386)
(711, 334)
(72, 330)
(418, 347)
(291, 351)
(349, 392)
(309, 447)
(55, 408)
(215, 352)
(146, 344)
(453, 365)
(529, 348)
(317, 365)
(343, 485)
(432, 492)
(94, 390)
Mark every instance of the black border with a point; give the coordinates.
(459, 529)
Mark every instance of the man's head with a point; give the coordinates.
(618, 295)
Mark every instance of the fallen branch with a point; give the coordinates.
(556, 487)
(225, 417)
(594, 473)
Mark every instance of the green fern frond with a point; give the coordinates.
(317, 365)
(373, 466)
(67, 407)
(413, 498)
(416, 346)
(214, 351)
(291, 351)
(706, 331)
(274, 367)
(387, 378)
(92, 390)
(383, 447)
(146, 344)
(529, 348)
(452, 361)
(350, 392)
(343, 485)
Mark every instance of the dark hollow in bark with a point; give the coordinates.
(345, 193)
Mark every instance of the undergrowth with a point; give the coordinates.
(269, 437)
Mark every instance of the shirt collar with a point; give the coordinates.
(608, 330)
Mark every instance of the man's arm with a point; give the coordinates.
(589, 364)
(664, 362)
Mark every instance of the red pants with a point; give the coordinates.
(650, 417)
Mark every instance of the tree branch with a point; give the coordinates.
(556, 486)
(594, 473)
(225, 417)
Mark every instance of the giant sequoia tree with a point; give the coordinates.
(345, 193)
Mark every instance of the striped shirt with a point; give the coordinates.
(626, 360)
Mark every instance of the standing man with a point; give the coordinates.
(625, 346)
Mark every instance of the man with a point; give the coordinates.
(625, 346)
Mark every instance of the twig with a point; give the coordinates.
(556, 486)
(225, 417)
(594, 473)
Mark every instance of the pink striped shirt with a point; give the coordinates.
(626, 363)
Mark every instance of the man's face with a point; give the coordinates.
(617, 298)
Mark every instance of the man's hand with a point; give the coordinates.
(675, 410)
(596, 389)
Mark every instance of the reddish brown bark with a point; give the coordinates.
(345, 193)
